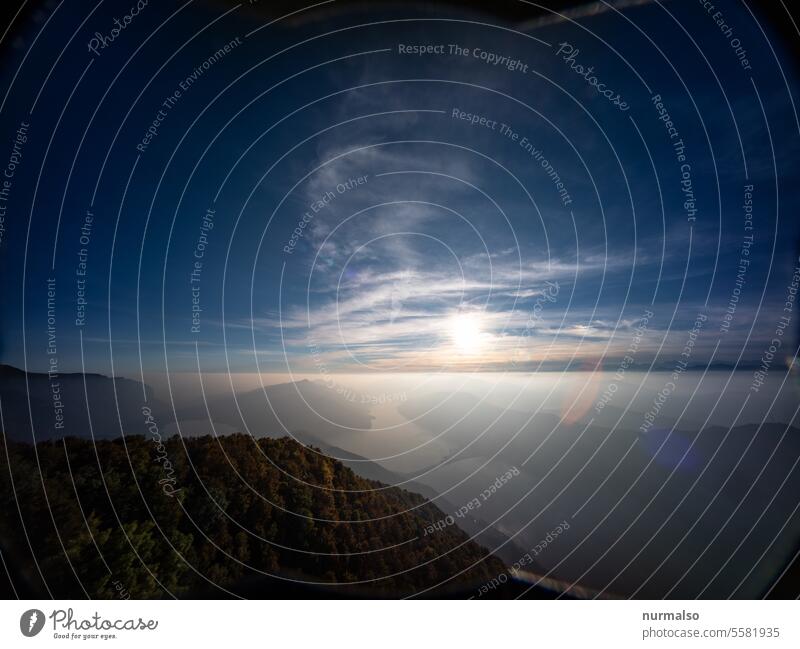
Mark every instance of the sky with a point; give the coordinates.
(356, 206)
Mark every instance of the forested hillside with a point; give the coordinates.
(210, 516)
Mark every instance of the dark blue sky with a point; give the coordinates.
(456, 248)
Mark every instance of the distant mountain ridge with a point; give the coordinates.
(38, 406)
(282, 408)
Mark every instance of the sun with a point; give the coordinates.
(466, 333)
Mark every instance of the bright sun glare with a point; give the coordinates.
(466, 333)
